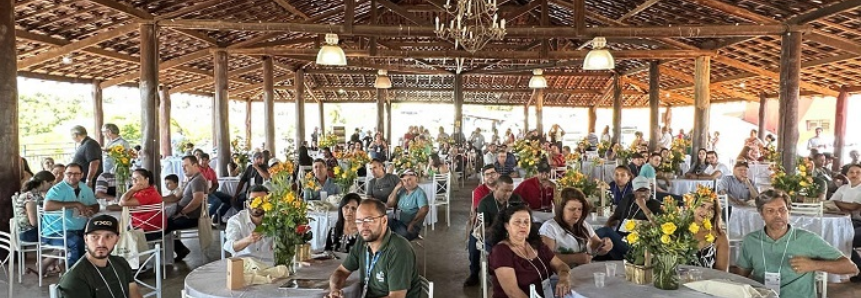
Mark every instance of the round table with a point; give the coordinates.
(583, 282)
(210, 280)
(228, 185)
(320, 224)
(683, 186)
(837, 229)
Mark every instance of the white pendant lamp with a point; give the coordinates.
(538, 80)
(331, 53)
(382, 81)
(599, 58)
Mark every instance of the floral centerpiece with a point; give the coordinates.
(416, 157)
(603, 146)
(802, 186)
(770, 154)
(122, 165)
(623, 156)
(329, 140)
(286, 219)
(583, 144)
(348, 169)
(310, 186)
(669, 237)
(240, 153)
(590, 187)
(673, 163)
(528, 156)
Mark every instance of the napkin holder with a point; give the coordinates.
(235, 277)
(638, 274)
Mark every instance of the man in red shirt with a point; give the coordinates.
(490, 176)
(538, 191)
(218, 202)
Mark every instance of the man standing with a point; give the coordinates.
(381, 186)
(817, 142)
(100, 274)
(538, 191)
(254, 174)
(483, 190)
(666, 138)
(387, 260)
(786, 258)
(326, 184)
(412, 202)
(112, 139)
(88, 155)
(80, 203)
(314, 137)
(188, 208)
(738, 187)
(240, 237)
(714, 169)
(477, 139)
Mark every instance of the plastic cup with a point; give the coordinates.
(695, 274)
(594, 216)
(599, 279)
(611, 269)
(324, 195)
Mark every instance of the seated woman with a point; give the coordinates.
(519, 258)
(698, 166)
(568, 234)
(343, 235)
(25, 204)
(436, 166)
(715, 253)
(143, 193)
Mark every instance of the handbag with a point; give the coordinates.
(131, 243)
(204, 228)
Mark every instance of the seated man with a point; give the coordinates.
(636, 206)
(106, 186)
(105, 275)
(486, 188)
(848, 198)
(766, 254)
(650, 170)
(738, 187)
(620, 186)
(538, 191)
(412, 202)
(188, 208)
(240, 238)
(503, 167)
(637, 161)
(80, 203)
(391, 272)
(714, 169)
(326, 183)
(381, 186)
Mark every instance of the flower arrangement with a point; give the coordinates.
(770, 154)
(572, 157)
(286, 219)
(673, 163)
(348, 169)
(528, 156)
(622, 154)
(122, 165)
(583, 144)
(801, 185)
(310, 183)
(329, 140)
(577, 180)
(240, 153)
(603, 146)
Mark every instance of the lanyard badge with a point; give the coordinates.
(772, 279)
(371, 264)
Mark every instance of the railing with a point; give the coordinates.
(35, 153)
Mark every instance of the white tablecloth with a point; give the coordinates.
(171, 165)
(428, 187)
(759, 172)
(683, 186)
(322, 221)
(838, 229)
(583, 281)
(228, 185)
(595, 171)
(210, 280)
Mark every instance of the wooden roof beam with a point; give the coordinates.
(645, 87)
(638, 9)
(162, 66)
(581, 54)
(79, 45)
(715, 86)
(290, 8)
(402, 12)
(198, 35)
(816, 14)
(773, 75)
(520, 11)
(735, 10)
(834, 42)
(189, 9)
(123, 8)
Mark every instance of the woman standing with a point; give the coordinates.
(556, 133)
(519, 258)
(713, 248)
(568, 234)
(605, 135)
(343, 235)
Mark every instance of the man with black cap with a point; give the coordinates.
(100, 274)
(412, 202)
(637, 206)
(254, 174)
(537, 191)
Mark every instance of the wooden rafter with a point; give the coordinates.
(773, 75)
(834, 42)
(645, 87)
(290, 8)
(163, 66)
(623, 54)
(735, 10)
(402, 12)
(824, 12)
(76, 46)
(123, 8)
(521, 11)
(638, 9)
(714, 86)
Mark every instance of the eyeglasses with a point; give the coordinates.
(74, 174)
(367, 220)
(522, 223)
(490, 173)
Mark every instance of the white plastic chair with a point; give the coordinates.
(52, 291)
(532, 292)
(555, 172)
(20, 247)
(821, 284)
(222, 238)
(809, 209)
(427, 286)
(442, 183)
(156, 261)
(478, 229)
(8, 264)
(361, 185)
(147, 213)
(60, 252)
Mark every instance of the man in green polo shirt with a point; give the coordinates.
(786, 258)
(386, 261)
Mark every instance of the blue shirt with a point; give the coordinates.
(63, 192)
(619, 193)
(329, 187)
(410, 203)
(648, 171)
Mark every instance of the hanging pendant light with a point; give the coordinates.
(331, 53)
(382, 81)
(538, 80)
(599, 58)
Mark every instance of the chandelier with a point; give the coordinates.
(330, 53)
(471, 24)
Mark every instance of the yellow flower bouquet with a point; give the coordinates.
(529, 154)
(286, 219)
(329, 140)
(122, 165)
(348, 169)
(802, 186)
(603, 146)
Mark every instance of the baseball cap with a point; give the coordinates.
(102, 222)
(640, 183)
(257, 155)
(408, 172)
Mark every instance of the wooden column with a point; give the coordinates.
(98, 112)
(654, 104)
(763, 102)
(10, 174)
(322, 110)
(248, 124)
(526, 119)
(381, 113)
(299, 84)
(539, 111)
(149, 100)
(593, 117)
(702, 102)
(790, 76)
(269, 104)
(840, 128)
(389, 121)
(617, 109)
(164, 122)
(458, 107)
(214, 125)
(221, 111)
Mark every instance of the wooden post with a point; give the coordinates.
(10, 174)
(790, 76)
(593, 117)
(702, 102)
(654, 104)
(539, 111)
(322, 110)
(526, 119)
(458, 107)
(98, 112)
(617, 109)
(389, 122)
(299, 84)
(248, 124)
(164, 122)
(763, 102)
(381, 113)
(221, 111)
(214, 124)
(269, 104)
(149, 101)
(840, 128)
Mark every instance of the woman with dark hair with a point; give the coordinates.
(713, 248)
(143, 193)
(569, 235)
(343, 235)
(519, 258)
(436, 166)
(304, 158)
(32, 195)
(26, 173)
(699, 165)
(233, 169)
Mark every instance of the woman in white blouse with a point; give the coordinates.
(568, 235)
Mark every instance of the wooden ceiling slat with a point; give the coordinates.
(835, 42)
(290, 8)
(824, 12)
(123, 8)
(773, 75)
(85, 43)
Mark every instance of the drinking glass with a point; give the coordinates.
(599, 279)
(611, 269)
(695, 274)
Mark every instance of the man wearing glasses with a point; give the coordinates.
(738, 187)
(80, 204)
(386, 260)
(490, 177)
(381, 186)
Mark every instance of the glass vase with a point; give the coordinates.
(664, 272)
(283, 251)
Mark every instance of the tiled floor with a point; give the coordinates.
(446, 255)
